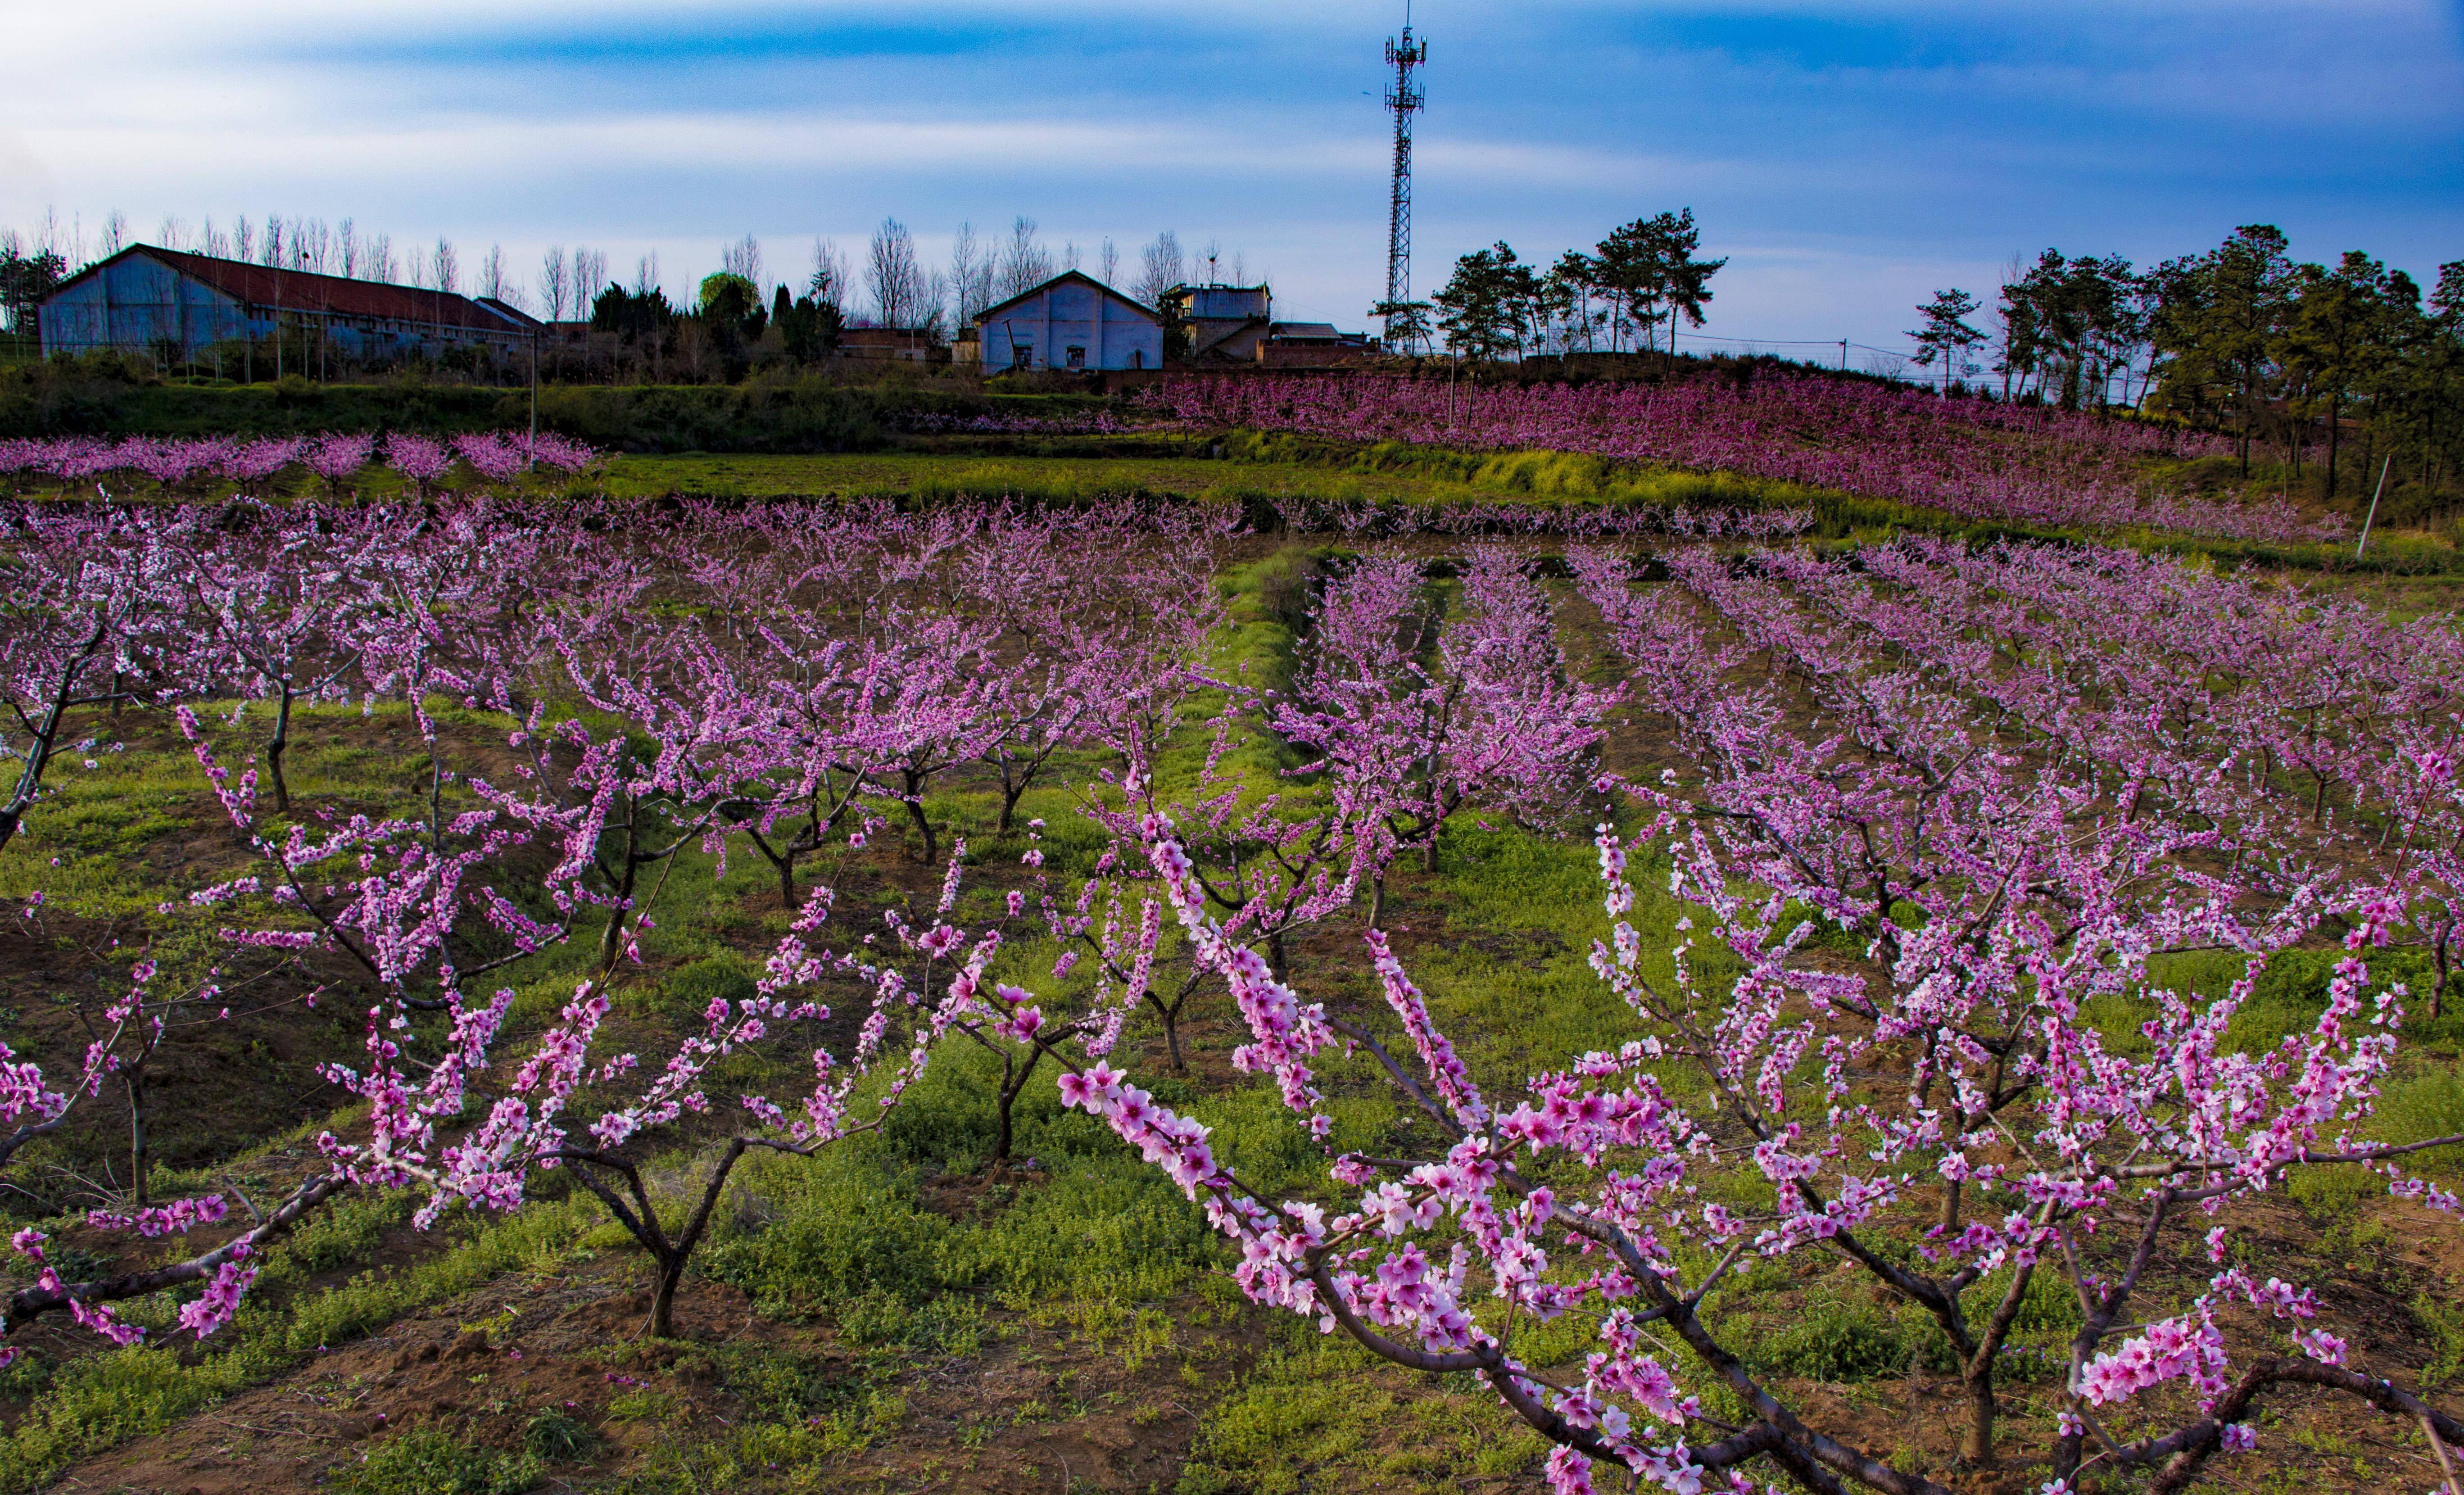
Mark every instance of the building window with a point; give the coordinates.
(1020, 356)
(1077, 357)
(1137, 358)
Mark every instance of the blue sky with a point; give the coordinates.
(1848, 158)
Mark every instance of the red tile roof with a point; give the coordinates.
(300, 289)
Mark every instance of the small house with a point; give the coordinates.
(1072, 320)
(1227, 323)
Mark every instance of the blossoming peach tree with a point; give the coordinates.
(1596, 1192)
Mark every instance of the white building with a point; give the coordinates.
(1072, 320)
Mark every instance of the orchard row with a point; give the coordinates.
(175, 462)
(1975, 459)
(1931, 817)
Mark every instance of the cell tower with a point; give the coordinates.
(1403, 54)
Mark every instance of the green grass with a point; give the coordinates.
(430, 1461)
(862, 1241)
(106, 1399)
(1320, 1415)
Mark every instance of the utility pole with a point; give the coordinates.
(2374, 504)
(1403, 54)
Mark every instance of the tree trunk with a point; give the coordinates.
(1170, 1014)
(1377, 901)
(611, 940)
(1011, 794)
(914, 798)
(1976, 1439)
(140, 1154)
(2438, 982)
(275, 750)
(2334, 434)
(671, 1268)
(1014, 1078)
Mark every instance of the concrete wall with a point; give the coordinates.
(1047, 327)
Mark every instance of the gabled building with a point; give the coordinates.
(189, 308)
(1072, 320)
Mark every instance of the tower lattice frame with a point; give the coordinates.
(1404, 99)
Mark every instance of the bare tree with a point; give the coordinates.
(937, 302)
(115, 234)
(1108, 260)
(555, 282)
(646, 274)
(273, 241)
(171, 234)
(2008, 322)
(967, 260)
(493, 282)
(381, 260)
(449, 265)
(1068, 253)
(243, 239)
(346, 240)
(743, 257)
(1024, 262)
(1160, 267)
(311, 244)
(893, 275)
(831, 280)
(69, 245)
(589, 278)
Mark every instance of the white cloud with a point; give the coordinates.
(1859, 179)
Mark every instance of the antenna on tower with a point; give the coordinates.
(1403, 54)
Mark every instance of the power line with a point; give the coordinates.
(1843, 344)
(1810, 343)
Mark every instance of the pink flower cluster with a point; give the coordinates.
(1973, 458)
(173, 462)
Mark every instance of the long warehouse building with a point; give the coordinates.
(191, 308)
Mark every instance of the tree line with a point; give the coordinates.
(1643, 276)
(2342, 369)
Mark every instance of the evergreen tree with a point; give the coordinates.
(1483, 309)
(1946, 334)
